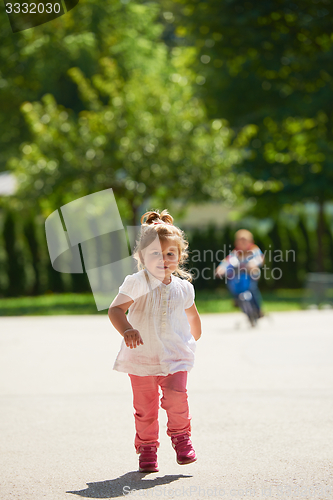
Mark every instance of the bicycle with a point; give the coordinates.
(239, 284)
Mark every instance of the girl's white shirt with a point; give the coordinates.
(158, 312)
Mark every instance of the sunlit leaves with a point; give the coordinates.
(149, 138)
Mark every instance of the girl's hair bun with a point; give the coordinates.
(154, 216)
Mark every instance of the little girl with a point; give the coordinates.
(159, 337)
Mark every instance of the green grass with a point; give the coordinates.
(51, 304)
(219, 301)
(207, 301)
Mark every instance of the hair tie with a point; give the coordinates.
(161, 222)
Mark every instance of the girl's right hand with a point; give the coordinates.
(132, 338)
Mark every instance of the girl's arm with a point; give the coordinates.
(194, 320)
(118, 318)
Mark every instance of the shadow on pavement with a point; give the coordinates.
(124, 485)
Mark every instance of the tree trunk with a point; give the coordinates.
(320, 237)
(134, 214)
(30, 234)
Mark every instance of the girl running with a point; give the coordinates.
(159, 337)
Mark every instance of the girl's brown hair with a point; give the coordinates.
(155, 224)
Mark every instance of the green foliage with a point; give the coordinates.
(270, 65)
(124, 114)
(36, 61)
(278, 55)
(147, 141)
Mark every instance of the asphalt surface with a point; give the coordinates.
(261, 402)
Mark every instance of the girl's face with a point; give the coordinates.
(161, 258)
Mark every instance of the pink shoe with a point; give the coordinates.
(148, 458)
(184, 449)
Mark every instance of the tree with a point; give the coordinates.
(278, 55)
(145, 136)
(29, 230)
(36, 61)
(135, 124)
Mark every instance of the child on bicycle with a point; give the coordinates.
(246, 256)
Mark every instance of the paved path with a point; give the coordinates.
(261, 402)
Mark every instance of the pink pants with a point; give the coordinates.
(146, 405)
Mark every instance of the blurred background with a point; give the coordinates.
(218, 110)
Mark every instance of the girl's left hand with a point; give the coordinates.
(132, 338)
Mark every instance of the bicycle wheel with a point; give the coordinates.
(248, 307)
